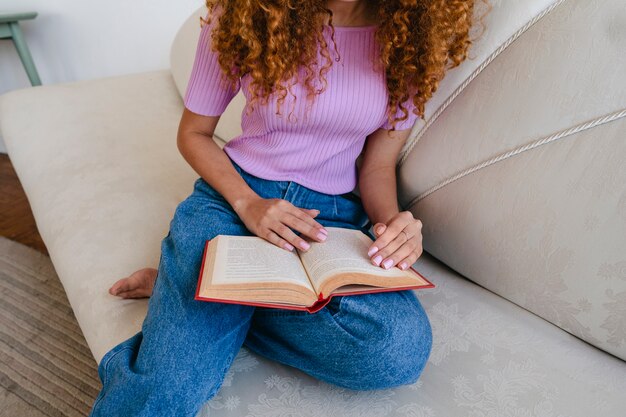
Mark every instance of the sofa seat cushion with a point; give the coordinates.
(489, 358)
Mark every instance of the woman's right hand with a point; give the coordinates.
(272, 218)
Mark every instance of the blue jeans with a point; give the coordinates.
(179, 358)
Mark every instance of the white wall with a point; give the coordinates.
(73, 40)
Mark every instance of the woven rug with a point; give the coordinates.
(46, 368)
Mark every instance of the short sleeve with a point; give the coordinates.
(405, 124)
(208, 91)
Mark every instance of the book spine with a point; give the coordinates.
(319, 304)
(199, 284)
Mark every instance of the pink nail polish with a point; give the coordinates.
(304, 245)
(372, 251)
(324, 231)
(377, 260)
(387, 263)
(321, 236)
(288, 246)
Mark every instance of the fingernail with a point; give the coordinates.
(324, 231)
(403, 265)
(304, 245)
(321, 236)
(387, 263)
(288, 246)
(377, 260)
(372, 251)
(380, 229)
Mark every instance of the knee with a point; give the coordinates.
(401, 362)
(406, 361)
(394, 355)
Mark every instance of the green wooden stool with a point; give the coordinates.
(10, 29)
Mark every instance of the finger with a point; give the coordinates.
(284, 232)
(274, 238)
(396, 243)
(379, 228)
(401, 221)
(302, 226)
(311, 212)
(303, 214)
(394, 227)
(405, 263)
(403, 251)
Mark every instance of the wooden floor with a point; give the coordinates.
(16, 219)
(17, 223)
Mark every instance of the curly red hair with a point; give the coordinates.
(270, 39)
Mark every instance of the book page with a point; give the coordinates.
(251, 259)
(345, 250)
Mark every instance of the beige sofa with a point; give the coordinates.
(518, 175)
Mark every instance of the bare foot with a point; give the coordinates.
(139, 284)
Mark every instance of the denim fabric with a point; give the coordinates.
(179, 358)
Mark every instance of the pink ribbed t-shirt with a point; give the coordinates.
(319, 151)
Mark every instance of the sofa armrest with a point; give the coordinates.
(99, 163)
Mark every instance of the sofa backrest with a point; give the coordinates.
(518, 172)
(182, 55)
(520, 181)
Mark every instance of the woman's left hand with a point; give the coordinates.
(399, 242)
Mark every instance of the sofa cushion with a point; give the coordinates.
(99, 164)
(489, 358)
(182, 55)
(520, 182)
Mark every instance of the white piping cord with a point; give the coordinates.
(563, 133)
(411, 142)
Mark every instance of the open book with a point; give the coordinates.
(250, 270)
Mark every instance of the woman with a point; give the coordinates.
(285, 179)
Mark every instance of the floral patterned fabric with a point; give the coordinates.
(489, 358)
